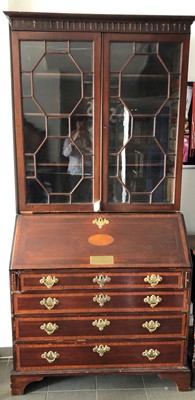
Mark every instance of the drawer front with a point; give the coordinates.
(109, 326)
(100, 354)
(100, 302)
(104, 280)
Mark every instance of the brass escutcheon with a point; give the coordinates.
(49, 328)
(101, 349)
(151, 325)
(153, 279)
(101, 280)
(49, 281)
(49, 303)
(101, 323)
(152, 300)
(50, 356)
(100, 222)
(151, 354)
(101, 299)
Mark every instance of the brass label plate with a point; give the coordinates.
(102, 260)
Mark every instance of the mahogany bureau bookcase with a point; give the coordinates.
(100, 271)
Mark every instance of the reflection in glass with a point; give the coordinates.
(57, 90)
(143, 107)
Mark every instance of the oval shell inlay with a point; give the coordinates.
(100, 240)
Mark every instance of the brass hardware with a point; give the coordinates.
(101, 280)
(101, 299)
(101, 349)
(153, 279)
(152, 300)
(151, 325)
(100, 222)
(50, 356)
(108, 260)
(49, 328)
(49, 303)
(151, 354)
(49, 281)
(101, 323)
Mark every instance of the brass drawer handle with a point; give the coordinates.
(153, 279)
(151, 354)
(49, 281)
(101, 280)
(101, 299)
(152, 300)
(49, 303)
(151, 325)
(50, 356)
(101, 323)
(101, 349)
(49, 328)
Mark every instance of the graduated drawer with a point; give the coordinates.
(98, 354)
(102, 280)
(72, 328)
(100, 302)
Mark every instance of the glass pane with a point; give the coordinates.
(83, 192)
(145, 48)
(29, 166)
(35, 193)
(30, 53)
(30, 106)
(114, 85)
(143, 126)
(82, 54)
(140, 198)
(174, 86)
(144, 95)
(57, 93)
(59, 198)
(164, 193)
(57, 63)
(34, 132)
(171, 56)
(53, 47)
(144, 65)
(26, 84)
(58, 126)
(87, 85)
(119, 54)
(117, 192)
(120, 131)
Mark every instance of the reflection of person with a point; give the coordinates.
(82, 142)
(76, 149)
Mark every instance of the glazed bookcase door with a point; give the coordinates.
(131, 103)
(59, 86)
(142, 129)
